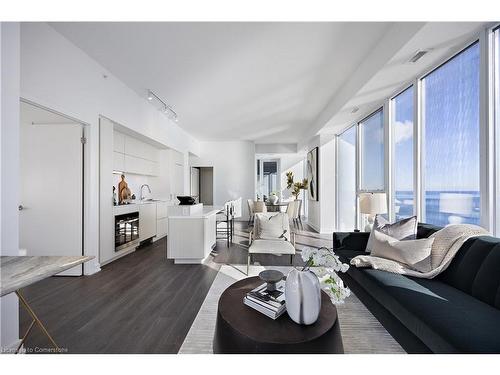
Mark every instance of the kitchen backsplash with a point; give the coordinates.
(159, 188)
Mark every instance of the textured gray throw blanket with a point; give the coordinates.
(447, 242)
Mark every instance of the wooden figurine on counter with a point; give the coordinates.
(123, 191)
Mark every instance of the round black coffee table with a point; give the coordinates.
(241, 329)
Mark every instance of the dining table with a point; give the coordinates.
(275, 207)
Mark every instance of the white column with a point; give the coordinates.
(326, 179)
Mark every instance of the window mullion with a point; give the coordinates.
(418, 151)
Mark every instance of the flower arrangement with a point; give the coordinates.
(326, 265)
(295, 186)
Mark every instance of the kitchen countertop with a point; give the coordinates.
(134, 206)
(20, 271)
(207, 211)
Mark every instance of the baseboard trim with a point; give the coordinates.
(320, 230)
(313, 226)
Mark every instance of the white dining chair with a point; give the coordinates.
(293, 212)
(251, 212)
(259, 207)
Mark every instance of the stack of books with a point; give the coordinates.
(271, 304)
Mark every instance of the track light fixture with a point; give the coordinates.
(171, 114)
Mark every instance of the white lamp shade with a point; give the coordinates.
(373, 203)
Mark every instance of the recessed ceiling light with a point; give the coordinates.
(354, 110)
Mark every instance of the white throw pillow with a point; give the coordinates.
(270, 226)
(415, 254)
(405, 229)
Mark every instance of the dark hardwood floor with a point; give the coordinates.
(141, 303)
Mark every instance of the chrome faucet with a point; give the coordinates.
(149, 189)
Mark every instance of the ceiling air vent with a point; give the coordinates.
(417, 56)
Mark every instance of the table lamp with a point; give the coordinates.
(372, 204)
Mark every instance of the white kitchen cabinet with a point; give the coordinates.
(161, 210)
(118, 142)
(147, 221)
(161, 228)
(118, 161)
(150, 152)
(140, 149)
(161, 219)
(134, 147)
(132, 155)
(191, 238)
(133, 164)
(154, 168)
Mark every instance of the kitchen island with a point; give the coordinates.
(192, 234)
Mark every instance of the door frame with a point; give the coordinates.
(213, 179)
(85, 167)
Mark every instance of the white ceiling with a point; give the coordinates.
(442, 39)
(251, 81)
(266, 82)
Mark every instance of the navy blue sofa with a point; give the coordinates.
(456, 312)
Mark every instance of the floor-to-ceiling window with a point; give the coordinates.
(371, 143)
(402, 115)
(346, 180)
(371, 158)
(450, 127)
(268, 178)
(439, 175)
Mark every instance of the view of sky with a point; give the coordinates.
(451, 124)
(372, 136)
(402, 120)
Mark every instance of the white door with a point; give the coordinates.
(51, 196)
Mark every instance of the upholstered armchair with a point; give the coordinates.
(271, 235)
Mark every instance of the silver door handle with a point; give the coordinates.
(20, 207)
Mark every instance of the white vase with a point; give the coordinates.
(303, 296)
(273, 199)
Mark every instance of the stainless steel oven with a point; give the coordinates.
(126, 230)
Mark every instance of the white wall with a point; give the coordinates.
(234, 170)
(9, 177)
(295, 164)
(276, 148)
(57, 74)
(321, 213)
